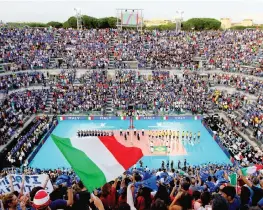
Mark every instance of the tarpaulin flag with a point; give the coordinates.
(97, 159)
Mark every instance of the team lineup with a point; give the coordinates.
(167, 139)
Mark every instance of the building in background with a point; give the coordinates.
(226, 23)
(156, 22)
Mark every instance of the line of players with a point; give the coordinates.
(135, 133)
(165, 134)
(84, 133)
(167, 137)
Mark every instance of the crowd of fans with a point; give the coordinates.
(20, 80)
(253, 116)
(31, 48)
(237, 147)
(239, 82)
(16, 106)
(26, 142)
(228, 102)
(191, 188)
(161, 92)
(200, 187)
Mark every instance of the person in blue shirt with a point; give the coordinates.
(229, 193)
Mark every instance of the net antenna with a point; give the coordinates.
(179, 20)
(129, 18)
(78, 16)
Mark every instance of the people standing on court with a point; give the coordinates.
(194, 137)
(151, 146)
(198, 136)
(185, 163)
(172, 164)
(167, 164)
(120, 132)
(138, 136)
(141, 164)
(125, 136)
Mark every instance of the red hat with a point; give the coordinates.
(41, 199)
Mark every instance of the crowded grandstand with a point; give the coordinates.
(51, 75)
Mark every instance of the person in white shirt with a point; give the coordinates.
(151, 146)
(167, 144)
(134, 131)
(169, 150)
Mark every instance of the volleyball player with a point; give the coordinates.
(174, 134)
(194, 138)
(151, 146)
(170, 135)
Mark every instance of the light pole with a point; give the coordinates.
(78, 17)
(178, 20)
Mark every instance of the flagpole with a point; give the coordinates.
(236, 183)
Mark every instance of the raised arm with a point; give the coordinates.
(130, 196)
(45, 183)
(11, 184)
(22, 185)
(245, 180)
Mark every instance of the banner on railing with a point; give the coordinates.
(31, 181)
(189, 117)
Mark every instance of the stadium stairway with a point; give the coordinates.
(111, 56)
(48, 103)
(109, 106)
(2, 68)
(148, 64)
(52, 62)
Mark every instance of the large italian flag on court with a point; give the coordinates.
(251, 169)
(98, 159)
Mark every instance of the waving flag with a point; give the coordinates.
(97, 159)
(251, 169)
(150, 183)
(233, 179)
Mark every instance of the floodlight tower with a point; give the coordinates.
(179, 20)
(78, 17)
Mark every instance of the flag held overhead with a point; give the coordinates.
(97, 159)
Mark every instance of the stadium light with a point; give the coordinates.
(179, 19)
(78, 17)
